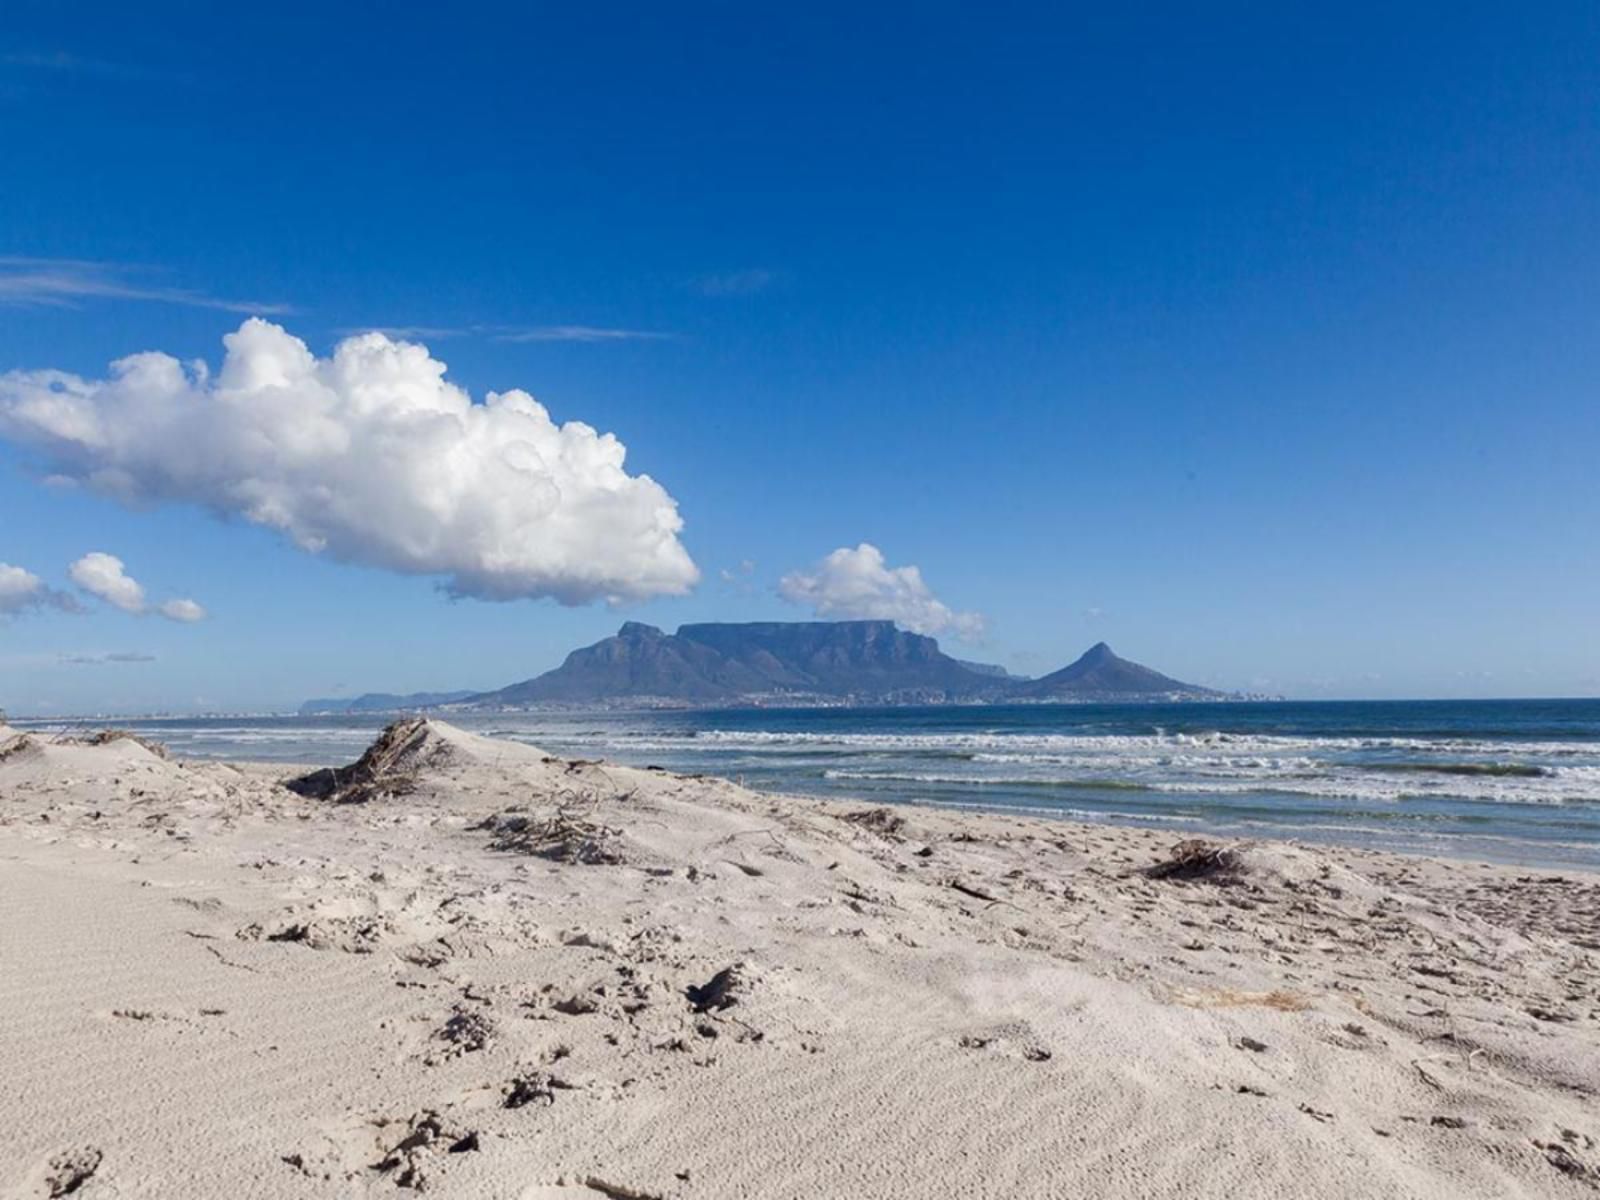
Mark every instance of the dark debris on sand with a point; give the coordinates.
(1198, 859)
(386, 769)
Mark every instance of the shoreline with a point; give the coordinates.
(502, 973)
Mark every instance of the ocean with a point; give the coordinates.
(1503, 781)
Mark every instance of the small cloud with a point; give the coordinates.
(578, 333)
(737, 578)
(93, 660)
(734, 283)
(104, 576)
(185, 611)
(63, 282)
(1093, 613)
(22, 591)
(859, 585)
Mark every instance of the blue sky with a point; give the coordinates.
(1260, 344)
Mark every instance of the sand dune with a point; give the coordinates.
(472, 968)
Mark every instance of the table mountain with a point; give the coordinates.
(729, 662)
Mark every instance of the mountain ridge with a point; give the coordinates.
(792, 662)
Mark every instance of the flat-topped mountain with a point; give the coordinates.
(729, 662)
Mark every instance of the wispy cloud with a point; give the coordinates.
(414, 333)
(95, 660)
(516, 333)
(580, 333)
(63, 62)
(65, 282)
(733, 283)
(739, 578)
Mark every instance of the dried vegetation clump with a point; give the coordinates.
(388, 768)
(569, 834)
(1198, 859)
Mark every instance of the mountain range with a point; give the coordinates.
(793, 662)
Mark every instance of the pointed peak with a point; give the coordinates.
(1099, 652)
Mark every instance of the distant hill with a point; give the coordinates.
(731, 662)
(1100, 673)
(380, 702)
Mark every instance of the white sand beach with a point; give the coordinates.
(480, 971)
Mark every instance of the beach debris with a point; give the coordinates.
(534, 1087)
(466, 1030)
(569, 834)
(1565, 1161)
(724, 990)
(618, 1191)
(882, 821)
(387, 768)
(576, 1005)
(71, 1169)
(1250, 1044)
(353, 935)
(1015, 1039)
(1199, 859)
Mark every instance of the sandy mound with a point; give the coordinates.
(106, 753)
(404, 756)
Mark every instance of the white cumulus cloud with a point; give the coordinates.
(105, 576)
(859, 585)
(368, 455)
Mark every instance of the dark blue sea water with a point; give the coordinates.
(1510, 781)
